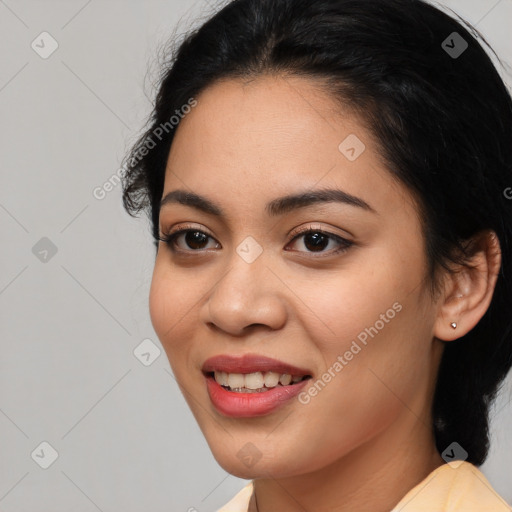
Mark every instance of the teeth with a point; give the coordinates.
(255, 381)
(236, 380)
(221, 378)
(285, 379)
(271, 379)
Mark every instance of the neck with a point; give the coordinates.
(372, 478)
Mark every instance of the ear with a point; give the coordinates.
(469, 290)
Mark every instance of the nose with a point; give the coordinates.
(246, 296)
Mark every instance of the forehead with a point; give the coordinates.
(277, 113)
(272, 136)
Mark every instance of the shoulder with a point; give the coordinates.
(453, 487)
(240, 502)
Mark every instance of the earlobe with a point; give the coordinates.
(469, 288)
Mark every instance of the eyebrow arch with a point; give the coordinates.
(274, 208)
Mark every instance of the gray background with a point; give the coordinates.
(125, 438)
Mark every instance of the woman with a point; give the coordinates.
(327, 185)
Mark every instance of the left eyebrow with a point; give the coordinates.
(283, 205)
(274, 208)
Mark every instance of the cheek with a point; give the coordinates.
(171, 308)
(372, 330)
(375, 377)
(347, 303)
(160, 300)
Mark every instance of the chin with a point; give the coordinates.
(240, 470)
(248, 462)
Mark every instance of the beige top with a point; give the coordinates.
(447, 489)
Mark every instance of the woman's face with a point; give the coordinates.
(344, 303)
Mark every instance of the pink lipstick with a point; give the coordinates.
(251, 385)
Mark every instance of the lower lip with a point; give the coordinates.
(248, 405)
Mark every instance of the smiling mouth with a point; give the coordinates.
(257, 382)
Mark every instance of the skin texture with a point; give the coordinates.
(365, 439)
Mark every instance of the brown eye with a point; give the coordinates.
(317, 240)
(194, 240)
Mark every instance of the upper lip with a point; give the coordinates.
(250, 363)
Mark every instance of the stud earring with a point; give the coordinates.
(454, 325)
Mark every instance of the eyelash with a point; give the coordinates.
(170, 238)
